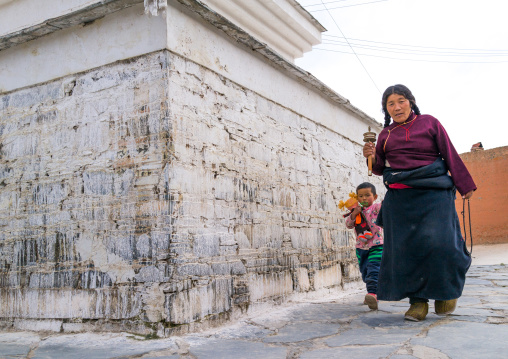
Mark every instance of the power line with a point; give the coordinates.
(412, 51)
(419, 60)
(339, 7)
(417, 46)
(361, 63)
(326, 3)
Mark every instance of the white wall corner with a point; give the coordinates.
(155, 7)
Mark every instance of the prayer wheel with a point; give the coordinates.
(369, 137)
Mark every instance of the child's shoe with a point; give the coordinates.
(371, 301)
(444, 307)
(417, 312)
(362, 238)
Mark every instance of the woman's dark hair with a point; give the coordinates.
(399, 90)
(366, 185)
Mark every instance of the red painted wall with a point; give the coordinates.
(489, 169)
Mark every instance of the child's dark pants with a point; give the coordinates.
(369, 261)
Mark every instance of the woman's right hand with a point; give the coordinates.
(369, 149)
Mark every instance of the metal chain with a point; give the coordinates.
(464, 222)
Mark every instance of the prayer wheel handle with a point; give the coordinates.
(369, 137)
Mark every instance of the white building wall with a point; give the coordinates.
(130, 32)
(21, 14)
(122, 35)
(181, 184)
(189, 36)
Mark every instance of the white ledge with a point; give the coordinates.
(281, 24)
(50, 16)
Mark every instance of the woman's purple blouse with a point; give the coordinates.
(419, 143)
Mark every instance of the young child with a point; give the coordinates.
(370, 250)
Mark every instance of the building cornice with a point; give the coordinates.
(282, 24)
(81, 16)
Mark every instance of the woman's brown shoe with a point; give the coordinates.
(417, 312)
(444, 307)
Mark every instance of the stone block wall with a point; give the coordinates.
(154, 195)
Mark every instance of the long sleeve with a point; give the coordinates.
(460, 175)
(350, 223)
(379, 166)
(420, 143)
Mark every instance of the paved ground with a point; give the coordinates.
(334, 326)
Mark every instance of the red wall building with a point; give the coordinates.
(489, 169)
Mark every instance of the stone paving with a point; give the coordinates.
(340, 327)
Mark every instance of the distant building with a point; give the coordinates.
(489, 169)
(477, 147)
(165, 165)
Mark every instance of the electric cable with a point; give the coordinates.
(359, 60)
(418, 46)
(418, 60)
(326, 3)
(412, 52)
(341, 7)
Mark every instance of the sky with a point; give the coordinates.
(451, 54)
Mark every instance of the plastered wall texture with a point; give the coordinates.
(489, 169)
(155, 196)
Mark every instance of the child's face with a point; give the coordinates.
(365, 197)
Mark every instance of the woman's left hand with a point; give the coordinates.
(468, 195)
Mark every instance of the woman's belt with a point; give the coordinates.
(433, 176)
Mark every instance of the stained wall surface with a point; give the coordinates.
(489, 169)
(153, 194)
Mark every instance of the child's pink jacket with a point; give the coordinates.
(370, 214)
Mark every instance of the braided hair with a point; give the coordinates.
(399, 90)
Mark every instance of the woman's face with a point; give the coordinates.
(398, 107)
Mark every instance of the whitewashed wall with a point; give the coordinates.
(191, 37)
(153, 192)
(121, 35)
(130, 33)
(20, 14)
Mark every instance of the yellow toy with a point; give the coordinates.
(362, 228)
(351, 203)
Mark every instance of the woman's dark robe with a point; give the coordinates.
(424, 253)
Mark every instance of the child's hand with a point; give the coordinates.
(356, 211)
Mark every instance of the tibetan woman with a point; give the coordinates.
(425, 256)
